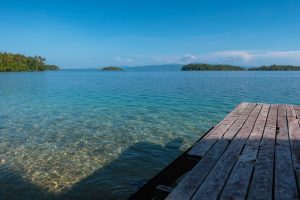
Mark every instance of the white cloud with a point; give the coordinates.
(254, 55)
(234, 57)
(122, 61)
(188, 58)
(243, 56)
(281, 54)
(117, 58)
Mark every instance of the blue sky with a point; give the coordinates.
(85, 34)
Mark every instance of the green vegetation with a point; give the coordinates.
(210, 67)
(51, 67)
(276, 68)
(16, 62)
(110, 68)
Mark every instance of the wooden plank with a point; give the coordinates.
(285, 180)
(261, 186)
(294, 134)
(238, 123)
(214, 182)
(237, 111)
(297, 111)
(201, 148)
(188, 186)
(231, 133)
(238, 181)
(290, 111)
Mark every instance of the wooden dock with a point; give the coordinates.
(253, 153)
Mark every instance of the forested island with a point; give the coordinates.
(10, 62)
(111, 68)
(211, 67)
(221, 67)
(276, 68)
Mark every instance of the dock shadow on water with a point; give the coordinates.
(117, 180)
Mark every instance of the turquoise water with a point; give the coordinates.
(87, 133)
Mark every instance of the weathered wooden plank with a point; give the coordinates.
(285, 180)
(200, 148)
(232, 131)
(239, 122)
(261, 186)
(237, 111)
(188, 186)
(290, 111)
(214, 182)
(238, 181)
(297, 111)
(294, 134)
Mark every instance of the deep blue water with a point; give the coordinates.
(86, 133)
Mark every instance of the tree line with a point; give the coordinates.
(276, 68)
(221, 67)
(10, 62)
(211, 67)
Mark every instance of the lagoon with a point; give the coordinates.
(81, 133)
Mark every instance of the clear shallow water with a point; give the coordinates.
(87, 133)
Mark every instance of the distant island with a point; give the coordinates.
(111, 68)
(211, 67)
(276, 68)
(10, 62)
(222, 67)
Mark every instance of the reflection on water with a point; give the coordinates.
(69, 133)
